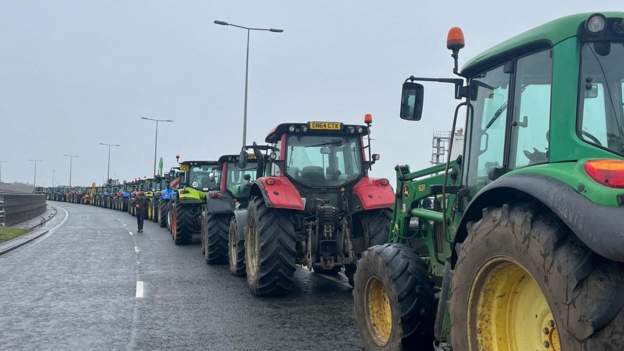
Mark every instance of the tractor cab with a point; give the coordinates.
(237, 177)
(320, 154)
(325, 161)
(200, 175)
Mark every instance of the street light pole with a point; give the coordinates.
(156, 139)
(35, 177)
(71, 158)
(108, 167)
(248, 29)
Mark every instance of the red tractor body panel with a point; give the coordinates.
(279, 192)
(374, 193)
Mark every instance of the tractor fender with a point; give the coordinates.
(219, 205)
(599, 227)
(241, 222)
(374, 193)
(278, 192)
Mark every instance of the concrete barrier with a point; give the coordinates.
(16, 208)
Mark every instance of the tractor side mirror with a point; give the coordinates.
(376, 157)
(412, 101)
(242, 159)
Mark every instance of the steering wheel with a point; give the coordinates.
(592, 138)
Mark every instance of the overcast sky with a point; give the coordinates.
(77, 73)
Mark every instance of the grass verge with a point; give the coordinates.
(8, 233)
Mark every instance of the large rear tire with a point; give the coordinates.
(394, 300)
(162, 214)
(376, 226)
(215, 238)
(269, 250)
(523, 276)
(236, 250)
(184, 224)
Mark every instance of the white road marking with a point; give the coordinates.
(130, 233)
(136, 249)
(139, 289)
(124, 224)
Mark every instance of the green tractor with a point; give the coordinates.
(223, 210)
(518, 244)
(184, 215)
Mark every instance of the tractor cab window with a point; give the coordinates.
(601, 100)
(531, 118)
(204, 177)
(323, 160)
(238, 178)
(487, 133)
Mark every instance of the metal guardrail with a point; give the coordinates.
(16, 208)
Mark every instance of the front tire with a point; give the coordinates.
(269, 250)
(524, 276)
(394, 299)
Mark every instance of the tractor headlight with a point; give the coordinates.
(596, 23)
(360, 130)
(351, 130)
(291, 129)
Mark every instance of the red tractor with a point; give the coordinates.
(313, 204)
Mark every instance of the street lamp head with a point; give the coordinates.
(222, 23)
(276, 30)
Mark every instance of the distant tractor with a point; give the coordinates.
(166, 195)
(223, 209)
(198, 178)
(313, 204)
(517, 244)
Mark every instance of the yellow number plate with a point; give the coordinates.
(325, 125)
(251, 156)
(184, 168)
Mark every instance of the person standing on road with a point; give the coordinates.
(140, 204)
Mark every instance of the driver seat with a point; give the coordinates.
(312, 175)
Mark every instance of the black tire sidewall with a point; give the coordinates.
(372, 266)
(500, 239)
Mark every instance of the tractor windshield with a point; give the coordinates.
(238, 178)
(204, 177)
(320, 161)
(601, 90)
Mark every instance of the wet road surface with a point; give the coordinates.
(94, 283)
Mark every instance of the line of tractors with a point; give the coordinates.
(517, 244)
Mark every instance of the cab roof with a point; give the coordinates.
(315, 127)
(543, 36)
(198, 163)
(234, 158)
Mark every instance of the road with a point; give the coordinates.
(94, 283)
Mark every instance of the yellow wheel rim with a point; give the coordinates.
(509, 312)
(378, 311)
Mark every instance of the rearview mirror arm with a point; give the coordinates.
(461, 91)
